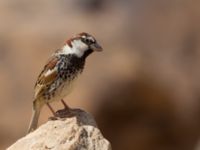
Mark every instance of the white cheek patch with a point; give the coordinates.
(78, 45)
(78, 48)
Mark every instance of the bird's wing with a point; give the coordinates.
(46, 77)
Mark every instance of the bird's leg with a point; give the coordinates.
(65, 105)
(63, 112)
(53, 112)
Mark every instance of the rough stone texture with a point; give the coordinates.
(77, 131)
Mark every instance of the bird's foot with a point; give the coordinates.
(63, 113)
(53, 118)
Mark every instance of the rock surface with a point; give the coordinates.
(77, 131)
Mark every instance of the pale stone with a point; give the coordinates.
(77, 131)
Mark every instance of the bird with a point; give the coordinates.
(60, 72)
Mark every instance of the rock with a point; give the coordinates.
(77, 131)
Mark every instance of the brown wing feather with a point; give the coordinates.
(46, 77)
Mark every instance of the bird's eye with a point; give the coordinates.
(87, 41)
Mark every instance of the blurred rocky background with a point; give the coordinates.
(143, 89)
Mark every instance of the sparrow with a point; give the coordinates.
(58, 75)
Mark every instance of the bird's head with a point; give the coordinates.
(81, 45)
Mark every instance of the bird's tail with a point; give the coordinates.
(34, 120)
(35, 116)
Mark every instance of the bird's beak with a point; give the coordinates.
(96, 47)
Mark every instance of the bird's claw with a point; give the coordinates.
(63, 113)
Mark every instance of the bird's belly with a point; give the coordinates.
(62, 91)
(66, 88)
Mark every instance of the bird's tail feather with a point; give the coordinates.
(34, 120)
